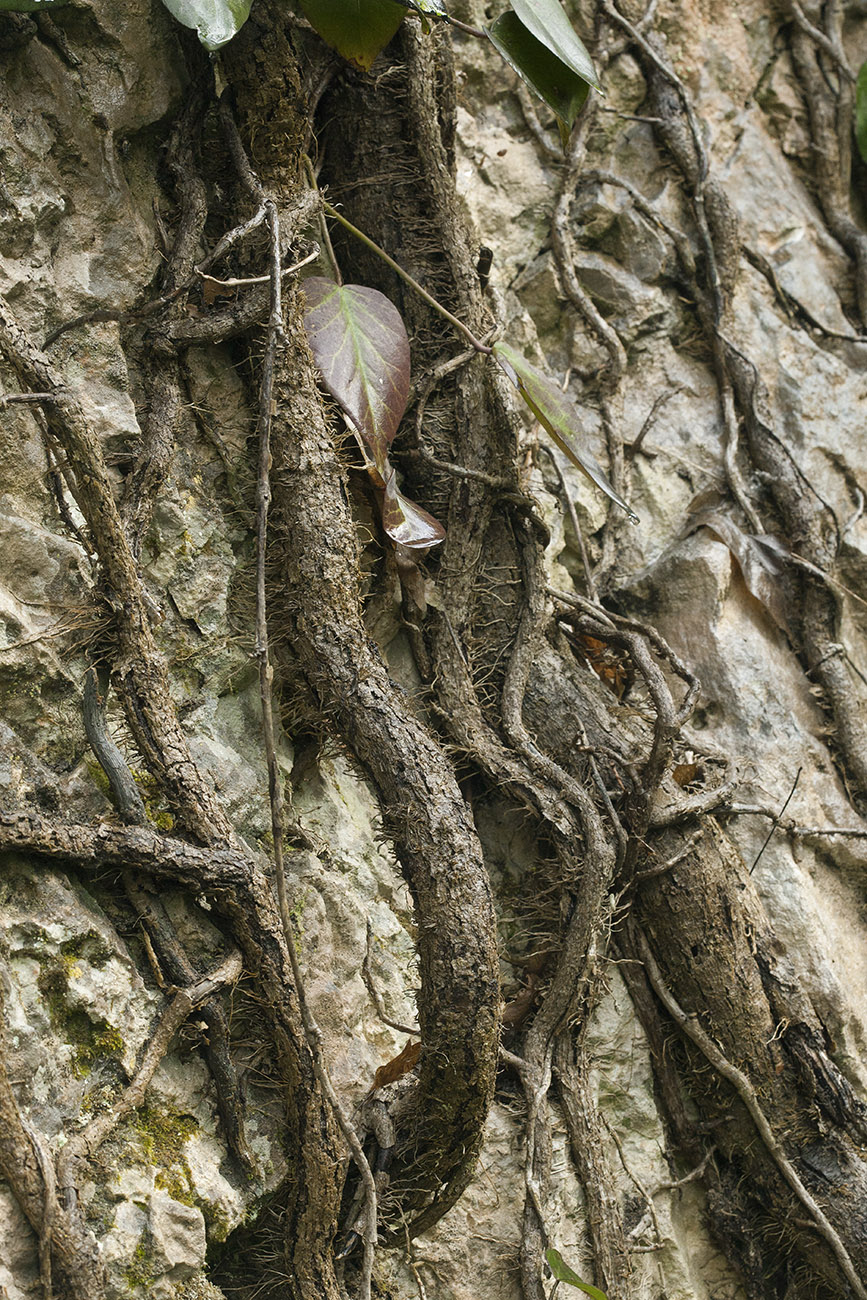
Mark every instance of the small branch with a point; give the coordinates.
(84, 1144)
(641, 876)
(824, 42)
(792, 304)
(367, 976)
(257, 279)
(323, 224)
(690, 1026)
(697, 805)
(777, 819)
(792, 828)
(635, 446)
(566, 497)
(246, 175)
(460, 471)
(127, 798)
(26, 399)
(465, 27)
(49, 1208)
(26, 1167)
(691, 1177)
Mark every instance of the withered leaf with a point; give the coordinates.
(686, 773)
(761, 560)
(398, 1066)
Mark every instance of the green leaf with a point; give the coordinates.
(557, 415)
(564, 1273)
(547, 21)
(861, 112)
(28, 6)
(216, 21)
(357, 29)
(405, 522)
(358, 340)
(562, 88)
(428, 8)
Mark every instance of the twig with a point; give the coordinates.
(157, 929)
(823, 41)
(26, 399)
(49, 1207)
(792, 828)
(690, 1026)
(323, 224)
(85, 1143)
(635, 446)
(573, 519)
(410, 1259)
(26, 1167)
(691, 1177)
(791, 303)
(777, 819)
(465, 27)
(697, 805)
(662, 867)
(129, 802)
(461, 471)
(258, 279)
(367, 976)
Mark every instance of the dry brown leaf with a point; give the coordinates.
(398, 1066)
(686, 773)
(761, 560)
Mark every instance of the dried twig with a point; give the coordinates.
(84, 1144)
(26, 1166)
(370, 984)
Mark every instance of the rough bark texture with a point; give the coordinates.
(581, 940)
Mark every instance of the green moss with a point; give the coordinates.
(99, 777)
(90, 946)
(90, 1038)
(176, 1184)
(140, 1272)
(163, 1134)
(152, 796)
(148, 787)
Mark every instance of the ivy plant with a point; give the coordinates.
(534, 37)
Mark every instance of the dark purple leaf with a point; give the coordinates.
(359, 343)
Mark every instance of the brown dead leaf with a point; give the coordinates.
(605, 663)
(398, 1066)
(686, 773)
(761, 560)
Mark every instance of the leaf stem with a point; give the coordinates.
(413, 284)
(323, 224)
(465, 27)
